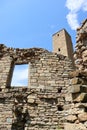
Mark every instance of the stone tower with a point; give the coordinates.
(62, 43)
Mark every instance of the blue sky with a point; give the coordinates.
(31, 23)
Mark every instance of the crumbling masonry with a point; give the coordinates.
(56, 95)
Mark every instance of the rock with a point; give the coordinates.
(68, 97)
(84, 73)
(75, 88)
(30, 100)
(74, 74)
(85, 59)
(78, 88)
(79, 97)
(76, 81)
(82, 117)
(71, 118)
(77, 122)
(84, 54)
(85, 124)
(69, 126)
(75, 56)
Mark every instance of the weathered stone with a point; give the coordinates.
(84, 53)
(85, 124)
(9, 120)
(78, 88)
(74, 74)
(82, 117)
(79, 97)
(31, 97)
(76, 81)
(85, 60)
(79, 126)
(75, 88)
(30, 100)
(68, 97)
(71, 118)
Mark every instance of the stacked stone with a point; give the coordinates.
(5, 73)
(31, 109)
(40, 106)
(21, 56)
(76, 103)
(80, 54)
(76, 97)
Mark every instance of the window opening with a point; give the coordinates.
(58, 49)
(20, 75)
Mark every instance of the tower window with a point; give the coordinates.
(58, 34)
(58, 49)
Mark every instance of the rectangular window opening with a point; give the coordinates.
(20, 76)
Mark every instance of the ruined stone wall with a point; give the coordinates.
(80, 54)
(29, 109)
(40, 106)
(56, 96)
(5, 71)
(76, 99)
(76, 103)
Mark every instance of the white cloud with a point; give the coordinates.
(72, 20)
(85, 6)
(75, 6)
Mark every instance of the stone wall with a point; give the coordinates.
(28, 109)
(80, 54)
(76, 103)
(40, 105)
(76, 99)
